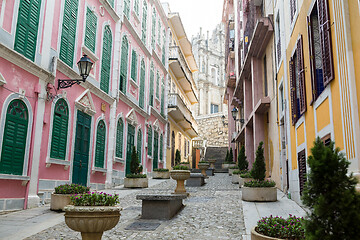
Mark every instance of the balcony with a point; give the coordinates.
(181, 114)
(182, 72)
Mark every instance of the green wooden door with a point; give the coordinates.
(129, 146)
(14, 138)
(81, 151)
(156, 152)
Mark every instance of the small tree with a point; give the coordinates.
(258, 170)
(243, 164)
(331, 196)
(231, 156)
(177, 157)
(227, 156)
(135, 167)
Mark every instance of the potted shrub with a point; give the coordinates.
(135, 179)
(186, 164)
(203, 166)
(177, 157)
(236, 176)
(271, 227)
(92, 214)
(229, 162)
(243, 165)
(330, 195)
(61, 196)
(161, 173)
(232, 169)
(180, 174)
(259, 190)
(245, 176)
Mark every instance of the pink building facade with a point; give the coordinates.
(83, 134)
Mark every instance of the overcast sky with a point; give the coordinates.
(197, 13)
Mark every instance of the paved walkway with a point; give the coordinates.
(214, 211)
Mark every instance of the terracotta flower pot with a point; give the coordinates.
(257, 236)
(203, 167)
(161, 175)
(59, 201)
(91, 221)
(180, 176)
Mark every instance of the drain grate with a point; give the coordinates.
(143, 226)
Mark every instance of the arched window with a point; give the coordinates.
(119, 139)
(124, 64)
(149, 141)
(153, 29)
(127, 8)
(136, 7)
(161, 147)
(163, 98)
(69, 32)
(14, 138)
(134, 66)
(157, 85)
(143, 25)
(139, 144)
(90, 30)
(142, 84)
(59, 130)
(106, 60)
(100, 144)
(152, 85)
(168, 135)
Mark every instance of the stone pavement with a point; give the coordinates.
(213, 211)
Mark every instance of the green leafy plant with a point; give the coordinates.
(71, 189)
(243, 164)
(231, 156)
(237, 172)
(179, 167)
(206, 162)
(94, 199)
(291, 228)
(330, 195)
(177, 157)
(246, 175)
(135, 167)
(234, 167)
(227, 156)
(258, 170)
(135, 175)
(161, 170)
(260, 184)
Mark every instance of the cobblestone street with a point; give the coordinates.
(212, 211)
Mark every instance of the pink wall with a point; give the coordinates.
(12, 189)
(8, 16)
(56, 23)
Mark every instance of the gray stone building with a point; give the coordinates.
(211, 112)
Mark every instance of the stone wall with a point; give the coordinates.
(212, 129)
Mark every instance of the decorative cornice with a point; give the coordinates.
(133, 105)
(136, 36)
(110, 10)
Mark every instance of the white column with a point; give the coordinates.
(111, 146)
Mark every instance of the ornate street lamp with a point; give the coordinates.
(84, 65)
(234, 113)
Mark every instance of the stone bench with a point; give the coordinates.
(155, 206)
(195, 180)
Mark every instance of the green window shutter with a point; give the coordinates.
(124, 64)
(111, 2)
(14, 138)
(143, 25)
(27, 28)
(134, 66)
(106, 60)
(153, 28)
(136, 7)
(90, 30)
(152, 85)
(59, 130)
(139, 144)
(100, 145)
(67, 46)
(149, 141)
(159, 31)
(119, 139)
(142, 85)
(161, 147)
(162, 98)
(127, 8)
(157, 85)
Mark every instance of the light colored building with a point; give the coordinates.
(182, 93)
(211, 113)
(82, 134)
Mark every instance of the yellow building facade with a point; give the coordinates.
(182, 93)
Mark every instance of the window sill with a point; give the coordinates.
(24, 179)
(133, 83)
(97, 169)
(50, 161)
(89, 53)
(137, 20)
(119, 160)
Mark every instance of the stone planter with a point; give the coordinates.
(161, 175)
(231, 170)
(59, 201)
(257, 236)
(203, 167)
(265, 194)
(235, 178)
(180, 176)
(136, 182)
(244, 180)
(91, 221)
(185, 164)
(212, 162)
(227, 165)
